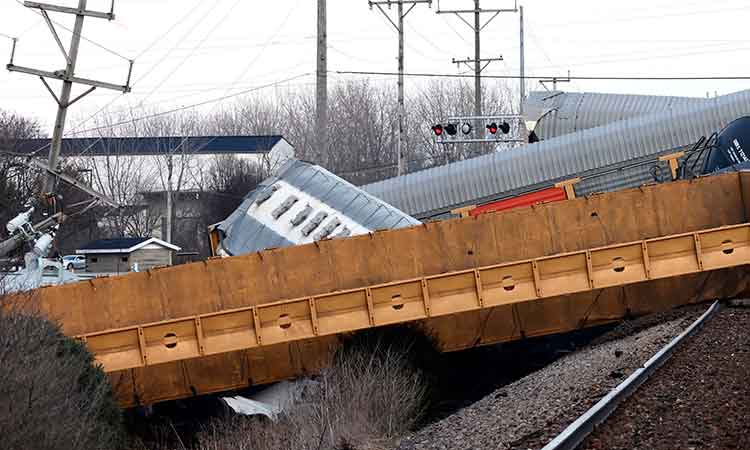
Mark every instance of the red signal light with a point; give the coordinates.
(437, 129)
(492, 128)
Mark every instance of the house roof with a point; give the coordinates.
(209, 145)
(123, 245)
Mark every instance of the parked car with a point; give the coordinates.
(77, 262)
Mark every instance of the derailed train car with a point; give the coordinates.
(227, 323)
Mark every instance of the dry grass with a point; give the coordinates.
(51, 395)
(372, 394)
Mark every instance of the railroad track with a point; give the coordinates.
(693, 393)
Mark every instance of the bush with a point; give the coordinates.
(52, 396)
(372, 393)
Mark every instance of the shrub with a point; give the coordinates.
(52, 396)
(373, 392)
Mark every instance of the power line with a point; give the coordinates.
(180, 40)
(265, 45)
(166, 33)
(538, 77)
(201, 42)
(460, 36)
(141, 103)
(30, 27)
(661, 16)
(539, 45)
(195, 105)
(151, 69)
(80, 35)
(67, 76)
(615, 59)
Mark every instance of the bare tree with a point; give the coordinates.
(17, 182)
(361, 144)
(233, 178)
(125, 177)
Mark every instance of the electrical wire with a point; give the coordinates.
(538, 77)
(460, 36)
(30, 27)
(172, 27)
(661, 16)
(530, 31)
(250, 64)
(201, 42)
(90, 41)
(246, 69)
(195, 105)
(265, 45)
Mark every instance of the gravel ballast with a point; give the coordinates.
(700, 399)
(531, 411)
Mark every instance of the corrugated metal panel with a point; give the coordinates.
(558, 113)
(490, 177)
(284, 210)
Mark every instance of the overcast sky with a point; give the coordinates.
(216, 47)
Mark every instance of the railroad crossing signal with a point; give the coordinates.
(493, 127)
(451, 129)
(445, 133)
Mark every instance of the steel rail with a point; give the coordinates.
(576, 432)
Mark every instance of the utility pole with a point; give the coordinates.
(522, 74)
(399, 26)
(67, 76)
(477, 27)
(169, 199)
(321, 84)
(555, 80)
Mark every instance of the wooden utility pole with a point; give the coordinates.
(399, 26)
(477, 61)
(522, 74)
(67, 76)
(321, 84)
(170, 206)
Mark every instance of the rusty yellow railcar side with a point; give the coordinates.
(177, 303)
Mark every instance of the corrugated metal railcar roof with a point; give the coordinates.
(438, 190)
(283, 209)
(558, 113)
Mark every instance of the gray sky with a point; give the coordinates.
(217, 47)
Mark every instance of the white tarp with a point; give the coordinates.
(271, 401)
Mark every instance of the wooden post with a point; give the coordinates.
(463, 211)
(570, 193)
(672, 161)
